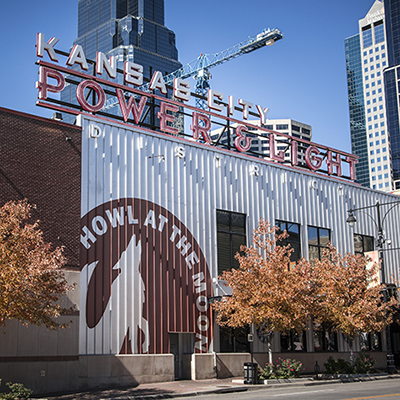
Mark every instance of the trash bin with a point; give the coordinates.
(250, 371)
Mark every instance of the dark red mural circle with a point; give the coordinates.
(173, 270)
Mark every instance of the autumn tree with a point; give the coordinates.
(266, 292)
(348, 297)
(275, 295)
(31, 279)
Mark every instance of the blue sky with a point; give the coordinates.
(302, 77)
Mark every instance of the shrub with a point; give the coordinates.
(267, 372)
(17, 391)
(283, 369)
(364, 364)
(338, 367)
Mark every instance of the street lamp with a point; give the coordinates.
(380, 240)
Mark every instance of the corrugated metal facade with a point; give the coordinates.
(149, 201)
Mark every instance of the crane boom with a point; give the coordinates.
(200, 66)
(206, 61)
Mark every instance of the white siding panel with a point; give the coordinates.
(133, 163)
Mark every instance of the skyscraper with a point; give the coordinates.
(392, 82)
(131, 30)
(366, 59)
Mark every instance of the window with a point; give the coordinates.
(318, 239)
(293, 341)
(363, 244)
(293, 239)
(234, 340)
(281, 127)
(370, 342)
(324, 339)
(231, 234)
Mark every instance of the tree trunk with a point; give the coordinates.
(351, 341)
(270, 347)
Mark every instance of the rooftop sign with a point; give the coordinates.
(131, 100)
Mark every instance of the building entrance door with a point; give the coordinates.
(182, 347)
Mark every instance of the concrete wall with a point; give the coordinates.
(50, 375)
(232, 364)
(122, 370)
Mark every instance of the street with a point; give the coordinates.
(387, 389)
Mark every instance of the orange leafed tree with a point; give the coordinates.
(31, 279)
(265, 291)
(348, 296)
(338, 291)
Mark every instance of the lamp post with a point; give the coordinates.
(380, 240)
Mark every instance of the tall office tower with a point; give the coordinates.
(366, 59)
(392, 83)
(131, 30)
(260, 140)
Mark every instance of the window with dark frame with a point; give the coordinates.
(293, 239)
(293, 341)
(318, 239)
(370, 341)
(234, 340)
(363, 244)
(231, 234)
(324, 339)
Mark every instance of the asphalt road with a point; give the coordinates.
(387, 389)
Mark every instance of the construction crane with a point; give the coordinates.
(199, 68)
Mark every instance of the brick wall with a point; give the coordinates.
(40, 161)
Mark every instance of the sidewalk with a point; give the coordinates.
(166, 390)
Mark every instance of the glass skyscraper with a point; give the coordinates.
(356, 105)
(366, 59)
(131, 30)
(392, 82)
